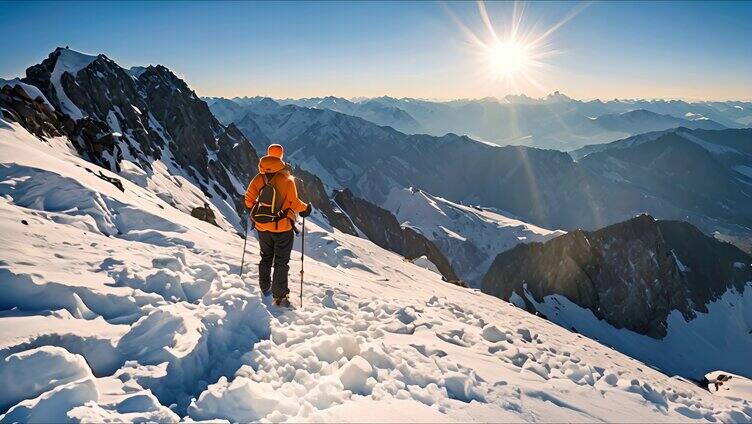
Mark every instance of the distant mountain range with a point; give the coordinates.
(559, 122)
(556, 121)
(641, 121)
(544, 187)
(371, 110)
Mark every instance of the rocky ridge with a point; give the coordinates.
(631, 274)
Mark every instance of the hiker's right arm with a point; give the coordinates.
(251, 194)
(295, 203)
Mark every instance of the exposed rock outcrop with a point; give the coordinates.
(379, 225)
(382, 228)
(34, 114)
(312, 190)
(632, 274)
(417, 245)
(204, 213)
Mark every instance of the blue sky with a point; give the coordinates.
(691, 50)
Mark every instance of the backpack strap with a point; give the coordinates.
(268, 178)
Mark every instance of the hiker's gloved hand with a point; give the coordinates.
(307, 211)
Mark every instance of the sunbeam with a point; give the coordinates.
(515, 53)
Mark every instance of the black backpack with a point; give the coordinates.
(268, 207)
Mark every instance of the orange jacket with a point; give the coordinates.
(285, 185)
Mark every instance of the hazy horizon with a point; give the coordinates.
(453, 99)
(424, 50)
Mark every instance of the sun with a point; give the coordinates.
(507, 58)
(515, 54)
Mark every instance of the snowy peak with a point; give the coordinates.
(71, 61)
(557, 97)
(145, 118)
(57, 70)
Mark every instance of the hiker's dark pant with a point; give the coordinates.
(275, 250)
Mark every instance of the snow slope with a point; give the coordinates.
(137, 313)
(729, 385)
(712, 340)
(470, 237)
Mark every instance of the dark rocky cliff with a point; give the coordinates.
(312, 190)
(382, 228)
(142, 115)
(632, 274)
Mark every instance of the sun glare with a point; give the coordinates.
(515, 52)
(507, 58)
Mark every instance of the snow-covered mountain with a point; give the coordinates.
(181, 144)
(470, 236)
(661, 291)
(705, 173)
(553, 122)
(560, 122)
(145, 124)
(115, 305)
(545, 188)
(370, 110)
(641, 121)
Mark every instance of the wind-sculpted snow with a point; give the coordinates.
(154, 324)
(53, 366)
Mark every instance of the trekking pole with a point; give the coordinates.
(302, 258)
(242, 258)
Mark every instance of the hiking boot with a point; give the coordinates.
(281, 301)
(266, 293)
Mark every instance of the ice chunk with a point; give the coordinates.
(355, 374)
(243, 400)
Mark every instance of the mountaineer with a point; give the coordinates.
(272, 199)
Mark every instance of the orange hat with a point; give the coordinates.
(275, 150)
